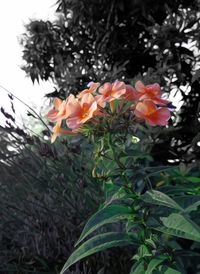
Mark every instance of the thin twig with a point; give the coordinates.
(27, 107)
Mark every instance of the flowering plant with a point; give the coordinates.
(90, 106)
(153, 209)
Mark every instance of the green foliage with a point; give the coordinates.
(154, 263)
(159, 221)
(98, 243)
(158, 198)
(181, 226)
(138, 268)
(104, 216)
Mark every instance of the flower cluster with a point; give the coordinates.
(144, 102)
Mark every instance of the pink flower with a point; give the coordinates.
(131, 94)
(57, 131)
(152, 92)
(61, 109)
(81, 111)
(58, 111)
(153, 115)
(92, 88)
(109, 92)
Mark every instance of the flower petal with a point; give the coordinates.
(87, 99)
(100, 100)
(118, 89)
(145, 108)
(131, 93)
(140, 87)
(52, 115)
(106, 88)
(73, 122)
(160, 117)
(73, 107)
(57, 102)
(154, 89)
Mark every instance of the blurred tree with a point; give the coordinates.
(103, 40)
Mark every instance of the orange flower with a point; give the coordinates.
(81, 111)
(92, 88)
(58, 110)
(152, 92)
(57, 131)
(153, 115)
(61, 109)
(109, 92)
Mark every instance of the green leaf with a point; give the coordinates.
(185, 201)
(158, 198)
(154, 263)
(138, 268)
(130, 224)
(169, 270)
(157, 170)
(150, 242)
(143, 251)
(116, 194)
(192, 207)
(99, 243)
(175, 190)
(181, 226)
(193, 179)
(107, 215)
